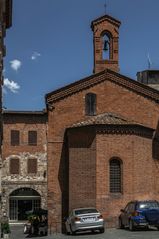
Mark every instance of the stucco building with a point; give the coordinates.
(102, 136)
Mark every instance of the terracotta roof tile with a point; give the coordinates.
(105, 119)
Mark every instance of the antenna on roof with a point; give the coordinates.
(149, 61)
(105, 7)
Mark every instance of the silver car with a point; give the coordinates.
(83, 219)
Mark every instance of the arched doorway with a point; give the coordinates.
(21, 201)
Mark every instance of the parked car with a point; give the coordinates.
(83, 219)
(140, 214)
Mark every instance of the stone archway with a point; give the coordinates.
(21, 201)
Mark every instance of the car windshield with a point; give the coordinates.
(148, 205)
(85, 211)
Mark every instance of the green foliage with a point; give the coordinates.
(5, 228)
(32, 217)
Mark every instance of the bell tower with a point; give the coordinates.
(106, 47)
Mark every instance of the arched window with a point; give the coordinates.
(14, 166)
(32, 165)
(106, 46)
(115, 175)
(90, 104)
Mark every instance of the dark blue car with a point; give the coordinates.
(138, 214)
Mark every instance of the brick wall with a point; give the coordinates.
(110, 98)
(139, 172)
(82, 168)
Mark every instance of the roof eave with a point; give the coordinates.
(8, 13)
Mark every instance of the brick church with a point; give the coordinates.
(99, 137)
(103, 135)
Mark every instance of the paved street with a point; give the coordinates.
(17, 233)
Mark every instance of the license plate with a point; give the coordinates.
(89, 219)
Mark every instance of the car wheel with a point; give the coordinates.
(121, 226)
(131, 225)
(158, 228)
(102, 230)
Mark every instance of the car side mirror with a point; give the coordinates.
(122, 210)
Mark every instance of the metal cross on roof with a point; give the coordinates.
(105, 7)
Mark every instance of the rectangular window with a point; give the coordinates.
(15, 137)
(32, 137)
(32, 165)
(14, 166)
(90, 104)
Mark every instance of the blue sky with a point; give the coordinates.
(50, 44)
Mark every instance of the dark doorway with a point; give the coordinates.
(23, 207)
(21, 201)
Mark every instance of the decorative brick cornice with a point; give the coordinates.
(104, 18)
(133, 85)
(106, 75)
(111, 123)
(126, 130)
(75, 87)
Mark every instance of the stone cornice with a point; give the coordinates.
(21, 182)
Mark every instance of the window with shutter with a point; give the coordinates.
(32, 137)
(32, 165)
(14, 166)
(115, 176)
(15, 139)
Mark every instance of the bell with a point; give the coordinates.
(105, 47)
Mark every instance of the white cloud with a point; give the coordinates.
(15, 64)
(4, 90)
(11, 85)
(35, 55)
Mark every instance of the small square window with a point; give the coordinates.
(15, 137)
(32, 137)
(32, 165)
(14, 166)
